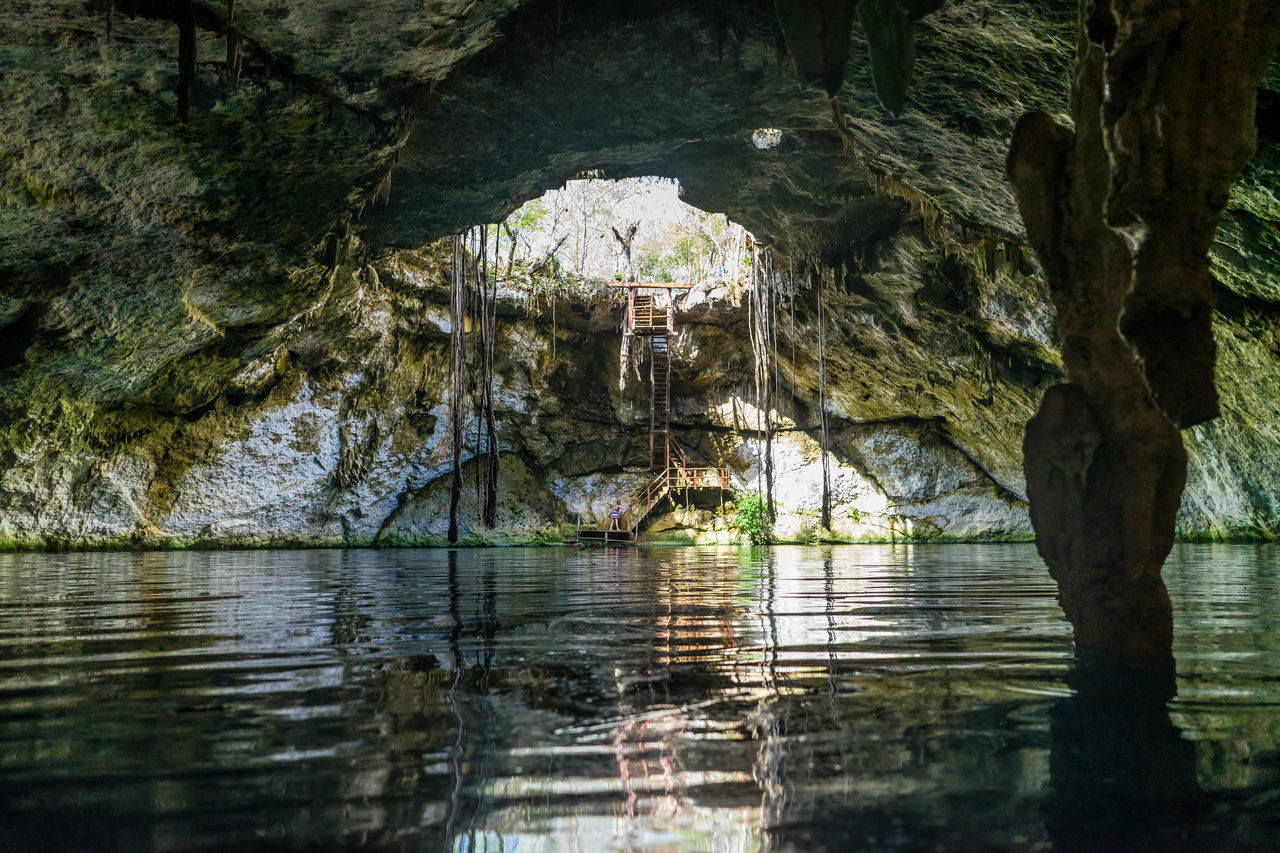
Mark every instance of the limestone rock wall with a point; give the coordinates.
(205, 338)
(340, 435)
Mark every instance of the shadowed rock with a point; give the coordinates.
(1122, 210)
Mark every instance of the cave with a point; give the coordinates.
(1005, 274)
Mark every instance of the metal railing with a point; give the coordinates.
(681, 477)
(699, 478)
(675, 454)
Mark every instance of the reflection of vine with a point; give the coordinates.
(829, 589)
(455, 650)
(775, 746)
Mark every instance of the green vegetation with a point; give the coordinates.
(578, 232)
(753, 519)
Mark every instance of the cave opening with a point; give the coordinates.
(594, 242)
(741, 374)
(283, 304)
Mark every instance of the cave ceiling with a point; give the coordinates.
(143, 251)
(407, 121)
(678, 89)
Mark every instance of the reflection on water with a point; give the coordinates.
(856, 697)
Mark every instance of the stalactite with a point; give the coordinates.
(233, 46)
(186, 58)
(457, 385)
(382, 189)
(822, 402)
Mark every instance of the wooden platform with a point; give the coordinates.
(652, 285)
(606, 537)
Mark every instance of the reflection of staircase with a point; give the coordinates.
(647, 319)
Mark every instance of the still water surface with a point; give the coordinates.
(848, 698)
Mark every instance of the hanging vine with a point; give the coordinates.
(457, 375)
(764, 341)
(775, 297)
(487, 320)
(475, 385)
(791, 292)
(233, 46)
(474, 306)
(822, 399)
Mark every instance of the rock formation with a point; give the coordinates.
(221, 321)
(1122, 210)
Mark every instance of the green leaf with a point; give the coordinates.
(888, 27)
(752, 518)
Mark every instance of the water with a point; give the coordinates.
(845, 698)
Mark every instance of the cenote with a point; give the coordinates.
(907, 697)
(602, 425)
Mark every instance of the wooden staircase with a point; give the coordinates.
(645, 318)
(659, 403)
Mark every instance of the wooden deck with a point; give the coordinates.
(606, 537)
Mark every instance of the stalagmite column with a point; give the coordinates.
(1122, 210)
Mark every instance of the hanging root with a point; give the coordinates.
(764, 349)
(457, 384)
(234, 41)
(822, 406)
(186, 58)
